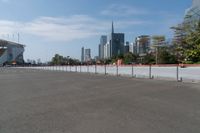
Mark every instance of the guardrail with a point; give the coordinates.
(176, 72)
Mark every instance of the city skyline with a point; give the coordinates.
(64, 27)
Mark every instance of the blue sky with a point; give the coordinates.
(48, 27)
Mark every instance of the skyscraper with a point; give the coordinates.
(107, 49)
(82, 55)
(142, 44)
(103, 41)
(116, 43)
(127, 48)
(87, 55)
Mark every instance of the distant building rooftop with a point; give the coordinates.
(6, 43)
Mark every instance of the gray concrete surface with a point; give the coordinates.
(33, 101)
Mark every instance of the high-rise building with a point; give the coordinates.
(87, 55)
(143, 44)
(103, 41)
(193, 13)
(116, 43)
(82, 55)
(107, 51)
(127, 48)
(133, 48)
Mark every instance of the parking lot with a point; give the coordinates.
(38, 101)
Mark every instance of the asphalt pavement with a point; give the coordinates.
(38, 101)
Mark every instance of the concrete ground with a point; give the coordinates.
(33, 101)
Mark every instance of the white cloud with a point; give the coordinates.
(63, 28)
(123, 10)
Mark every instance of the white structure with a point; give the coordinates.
(103, 41)
(107, 51)
(11, 52)
(193, 13)
(196, 3)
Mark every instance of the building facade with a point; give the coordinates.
(133, 48)
(11, 52)
(107, 51)
(116, 43)
(103, 41)
(82, 55)
(127, 48)
(87, 55)
(143, 44)
(192, 14)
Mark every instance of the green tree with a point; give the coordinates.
(180, 33)
(60, 60)
(192, 52)
(57, 59)
(129, 58)
(165, 56)
(187, 42)
(148, 59)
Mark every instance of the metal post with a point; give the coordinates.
(87, 68)
(70, 68)
(177, 73)
(95, 69)
(150, 72)
(80, 68)
(117, 70)
(105, 70)
(156, 55)
(76, 68)
(132, 71)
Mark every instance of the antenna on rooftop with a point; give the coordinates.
(112, 27)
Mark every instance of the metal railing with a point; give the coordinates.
(171, 72)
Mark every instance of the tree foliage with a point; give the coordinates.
(187, 42)
(130, 58)
(192, 53)
(60, 60)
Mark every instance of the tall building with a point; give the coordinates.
(142, 44)
(127, 48)
(193, 13)
(107, 50)
(103, 41)
(82, 55)
(11, 52)
(117, 43)
(133, 48)
(87, 55)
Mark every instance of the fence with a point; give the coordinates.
(171, 72)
